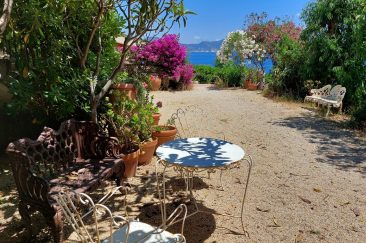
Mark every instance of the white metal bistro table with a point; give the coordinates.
(190, 155)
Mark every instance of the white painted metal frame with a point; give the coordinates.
(71, 203)
(316, 94)
(334, 99)
(188, 173)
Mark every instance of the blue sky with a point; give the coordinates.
(215, 18)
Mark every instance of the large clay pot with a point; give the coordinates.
(147, 151)
(165, 134)
(246, 83)
(131, 160)
(156, 117)
(130, 90)
(252, 86)
(155, 82)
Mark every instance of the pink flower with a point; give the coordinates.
(184, 73)
(144, 84)
(165, 52)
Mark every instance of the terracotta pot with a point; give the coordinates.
(156, 117)
(166, 134)
(155, 82)
(128, 88)
(131, 160)
(147, 152)
(246, 83)
(252, 86)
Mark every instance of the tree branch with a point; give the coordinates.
(95, 26)
(5, 17)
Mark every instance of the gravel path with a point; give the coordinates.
(307, 184)
(308, 181)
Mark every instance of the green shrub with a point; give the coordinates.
(359, 116)
(231, 74)
(287, 76)
(204, 73)
(44, 43)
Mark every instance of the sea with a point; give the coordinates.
(209, 58)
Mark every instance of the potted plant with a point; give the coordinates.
(156, 115)
(142, 124)
(164, 133)
(118, 119)
(250, 80)
(155, 82)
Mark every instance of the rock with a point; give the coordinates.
(357, 211)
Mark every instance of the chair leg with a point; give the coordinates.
(340, 109)
(249, 160)
(56, 224)
(328, 110)
(25, 214)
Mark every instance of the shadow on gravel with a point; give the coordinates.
(336, 145)
(197, 228)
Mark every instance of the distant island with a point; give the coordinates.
(204, 46)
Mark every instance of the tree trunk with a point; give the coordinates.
(5, 17)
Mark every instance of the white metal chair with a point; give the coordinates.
(77, 206)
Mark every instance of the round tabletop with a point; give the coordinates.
(200, 152)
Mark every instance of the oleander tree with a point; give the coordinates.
(145, 19)
(239, 47)
(268, 32)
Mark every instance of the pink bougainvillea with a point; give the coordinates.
(165, 53)
(184, 74)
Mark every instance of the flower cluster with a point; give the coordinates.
(165, 53)
(238, 45)
(184, 74)
(269, 33)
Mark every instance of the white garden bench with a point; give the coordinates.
(317, 94)
(334, 99)
(328, 97)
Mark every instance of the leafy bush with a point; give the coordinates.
(287, 72)
(44, 40)
(228, 75)
(334, 44)
(231, 74)
(359, 116)
(205, 74)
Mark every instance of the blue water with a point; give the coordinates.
(208, 58)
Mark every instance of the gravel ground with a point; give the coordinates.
(307, 184)
(309, 175)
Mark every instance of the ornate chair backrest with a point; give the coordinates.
(76, 206)
(190, 121)
(322, 92)
(51, 153)
(341, 94)
(337, 93)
